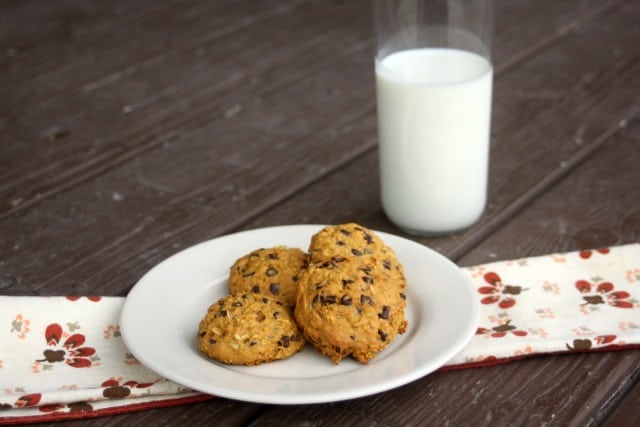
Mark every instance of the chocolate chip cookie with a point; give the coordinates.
(249, 329)
(350, 307)
(272, 272)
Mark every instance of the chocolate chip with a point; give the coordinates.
(276, 314)
(265, 300)
(366, 299)
(260, 316)
(249, 274)
(368, 238)
(387, 264)
(367, 279)
(255, 289)
(385, 312)
(347, 282)
(203, 333)
(328, 264)
(252, 343)
(339, 259)
(383, 336)
(274, 288)
(356, 252)
(273, 256)
(212, 341)
(340, 243)
(285, 341)
(319, 286)
(403, 296)
(345, 232)
(329, 299)
(352, 337)
(346, 300)
(223, 313)
(271, 272)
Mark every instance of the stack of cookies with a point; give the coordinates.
(346, 297)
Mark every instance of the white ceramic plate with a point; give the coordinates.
(160, 317)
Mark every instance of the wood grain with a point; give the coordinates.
(626, 412)
(161, 210)
(157, 98)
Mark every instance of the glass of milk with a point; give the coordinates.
(433, 85)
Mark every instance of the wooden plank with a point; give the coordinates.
(119, 200)
(516, 27)
(138, 107)
(595, 211)
(96, 139)
(79, 44)
(626, 412)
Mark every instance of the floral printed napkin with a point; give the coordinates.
(62, 357)
(580, 301)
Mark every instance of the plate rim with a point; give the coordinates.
(292, 398)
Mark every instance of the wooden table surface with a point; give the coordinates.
(132, 129)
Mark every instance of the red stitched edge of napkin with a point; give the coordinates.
(60, 416)
(135, 407)
(501, 361)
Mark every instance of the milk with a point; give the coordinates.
(434, 109)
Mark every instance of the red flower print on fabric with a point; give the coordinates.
(21, 326)
(498, 292)
(603, 293)
(586, 254)
(28, 400)
(501, 331)
(93, 298)
(71, 352)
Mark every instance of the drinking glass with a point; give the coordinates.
(434, 88)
